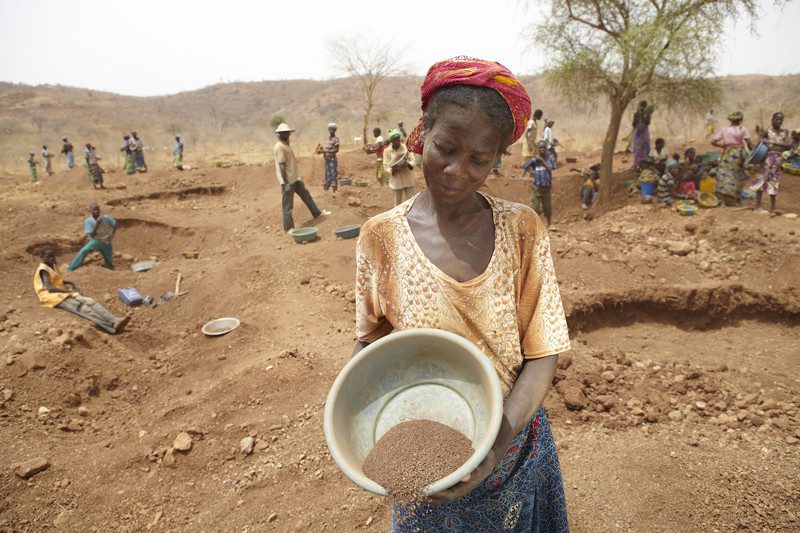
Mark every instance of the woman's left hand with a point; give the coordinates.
(469, 482)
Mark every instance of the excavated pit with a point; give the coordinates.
(181, 194)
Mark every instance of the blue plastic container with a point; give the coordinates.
(647, 188)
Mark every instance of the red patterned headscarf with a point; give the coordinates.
(464, 70)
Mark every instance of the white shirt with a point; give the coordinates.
(547, 136)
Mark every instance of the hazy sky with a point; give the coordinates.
(149, 47)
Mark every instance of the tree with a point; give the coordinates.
(368, 63)
(622, 50)
(276, 120)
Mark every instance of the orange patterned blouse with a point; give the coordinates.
(512, 311)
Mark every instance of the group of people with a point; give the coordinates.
(133, 150)
(393, 164)
(669, 178)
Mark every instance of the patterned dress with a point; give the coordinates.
(331, 163)
(769, 175)
(512, 312)
(731, 166)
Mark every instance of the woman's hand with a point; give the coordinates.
(469, 482)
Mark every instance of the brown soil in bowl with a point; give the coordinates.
(412, 455)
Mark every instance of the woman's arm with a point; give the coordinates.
(523, 401)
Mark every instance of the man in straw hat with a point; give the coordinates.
(288, 174)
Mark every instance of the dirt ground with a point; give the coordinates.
(676, 410)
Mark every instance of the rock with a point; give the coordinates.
(692, 442)
(305, 280)
(7, 394)
(65, 339)
(126, 257)
(690, 227)
(350, 296)
(755, 419)
(32, 361)
(247, 444)
(169, 457)
(74, 425)
(678, 247)
(587, 248)
(52, 333)
(572, 392)
(83, 410)
(32, 467)
(272, 517)
(792, 440)
(353, 201)
(769, 404)
(675, 416)
(700, 404)
(564, 361)
(43, 412)
(609, 376)
(183, 442)
(790, 216)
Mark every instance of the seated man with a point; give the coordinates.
(52, 291)
(100, 230)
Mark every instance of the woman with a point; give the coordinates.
(529, 137)
(398, 168)
(455, 259)
(95, 172)
(640, 140)
(128, 165)
(331, 159)
(769, 175)
(730, 172)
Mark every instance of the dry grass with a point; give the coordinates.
(230, 122)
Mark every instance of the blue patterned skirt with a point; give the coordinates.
(523, 493)
(331, 174)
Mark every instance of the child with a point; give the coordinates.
(590, 189)
(541, 166)
(664, 188)
(32, 162)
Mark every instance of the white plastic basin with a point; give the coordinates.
(411, 375)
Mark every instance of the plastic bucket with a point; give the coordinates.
(647, 188)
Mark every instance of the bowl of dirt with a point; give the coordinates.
(413, 396)
(220, 326)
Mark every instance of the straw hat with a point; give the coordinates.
(283, 127)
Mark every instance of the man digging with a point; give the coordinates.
(100, 229)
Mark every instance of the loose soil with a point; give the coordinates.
(676, 410)
(412, 455)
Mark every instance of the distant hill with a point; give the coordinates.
(231, 121)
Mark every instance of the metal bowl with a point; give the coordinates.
(221, 326)
(415, 374)
(303, 234)
(348, 232)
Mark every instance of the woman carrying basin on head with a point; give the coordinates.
(455, 259)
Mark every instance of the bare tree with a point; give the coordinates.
(369, 62)
(625, 49)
